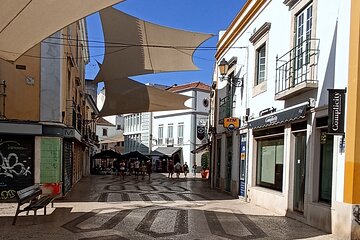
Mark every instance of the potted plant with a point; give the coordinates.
(205, 165)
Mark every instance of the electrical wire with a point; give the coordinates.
(122, 47)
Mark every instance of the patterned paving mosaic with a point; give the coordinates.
(107, 208)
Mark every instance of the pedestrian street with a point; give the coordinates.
(105, 207)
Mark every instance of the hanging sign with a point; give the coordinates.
(336, 111)
(231, 123)
(200, 132)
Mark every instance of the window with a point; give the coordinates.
(260, 41)
(137, 122)
(170, 133)
(270, 157)
(260, 64)
(161, 134)
(303, 35)
(104, 132)
(118, 127)
(326, 166)
(181, 134)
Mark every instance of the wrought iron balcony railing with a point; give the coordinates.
(297, 66)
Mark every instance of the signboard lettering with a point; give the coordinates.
(271, 119)
(69, 133)
(336, 111)
(231, 123)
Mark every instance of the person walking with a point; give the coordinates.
(194, 169)
(149, 168)
(143, 169)
(122, 169)
(185, 169)
(137, 168)
(177, 169)
(170, 169)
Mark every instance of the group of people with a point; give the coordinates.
(142, 168)
(178, 168)
(136, 168)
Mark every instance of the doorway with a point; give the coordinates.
(299, 171)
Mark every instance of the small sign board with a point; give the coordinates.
(200, 130)
(232, 123)
(336, 111)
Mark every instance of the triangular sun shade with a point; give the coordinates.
(136, 47)
(128, 96)
(25, 23)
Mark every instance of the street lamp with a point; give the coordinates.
(224, 68)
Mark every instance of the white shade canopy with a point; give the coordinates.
(135, 47)
(25, 23)
(128, 96)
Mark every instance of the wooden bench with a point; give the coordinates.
(32, 196)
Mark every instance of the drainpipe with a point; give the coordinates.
(248, 130)
(150, 131)
(193, 133)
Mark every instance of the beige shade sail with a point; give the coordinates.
(128, 96)
(25, 23)
(136, 47)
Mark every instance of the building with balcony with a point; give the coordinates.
(179, 129)
(45, 114)
(284, 61)
(137, 132)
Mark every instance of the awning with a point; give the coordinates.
(25, 23)
(281, 117)
(201, 148)
(135, 154)
(165, 151)
(106, 154)
(135, 47)
(128, 96)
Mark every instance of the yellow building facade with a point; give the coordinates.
(46, 120)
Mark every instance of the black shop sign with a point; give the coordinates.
(200, 132)
(336, 111)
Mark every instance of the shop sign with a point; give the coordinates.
(200, 132)
(336, 111)
(231, 123)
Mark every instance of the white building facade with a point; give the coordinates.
(137, 132)
(179, 128)
(277, 84)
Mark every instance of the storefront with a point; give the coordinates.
(67, 165)
(16, 164)
(278, 161)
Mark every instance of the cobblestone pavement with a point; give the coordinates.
(107, 208)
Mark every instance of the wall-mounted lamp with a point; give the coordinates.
(223, 69)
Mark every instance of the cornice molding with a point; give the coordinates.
(264, 29)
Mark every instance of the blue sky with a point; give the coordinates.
(206, 16)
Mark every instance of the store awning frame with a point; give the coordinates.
(201, 148)
(280, 117)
